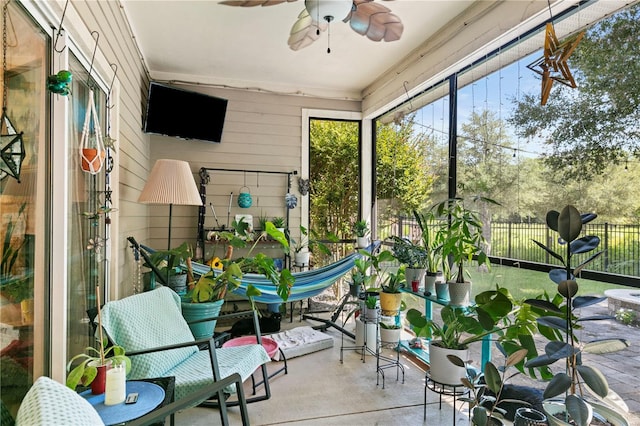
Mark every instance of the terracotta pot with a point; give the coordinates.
(92, 160)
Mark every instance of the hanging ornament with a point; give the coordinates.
(92, 150)
(59, 83)
(303, 186)
(11, 143)
(11, 149)
(291, 200)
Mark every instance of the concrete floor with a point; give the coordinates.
(320, 390)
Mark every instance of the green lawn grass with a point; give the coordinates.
(524, 283)
(521, 283)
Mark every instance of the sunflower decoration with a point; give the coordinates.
(216, 263)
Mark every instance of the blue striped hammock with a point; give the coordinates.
(307, 283)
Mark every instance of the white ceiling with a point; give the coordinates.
(210, 43)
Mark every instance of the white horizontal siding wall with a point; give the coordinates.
(262, 132)
(132, 156)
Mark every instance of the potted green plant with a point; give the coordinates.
(459, 328)
(308, 242)
(279, 223)
(391, 296)
(91, 371)
(361, 229)
(431, 232)
(461, 241)
(414, 258)
(485, 391)
(371, 308)
(390, 332)
(207, 295)
(360, 278)
(562, 320)
(262, 221)
(377, 262)
(168, 268)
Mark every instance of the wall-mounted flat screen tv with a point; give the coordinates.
(184, 114)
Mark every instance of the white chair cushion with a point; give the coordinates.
(51, 403)
(145, 321)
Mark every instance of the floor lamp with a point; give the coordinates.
(171, 182)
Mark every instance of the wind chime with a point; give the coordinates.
(11, 143)
(552, 66)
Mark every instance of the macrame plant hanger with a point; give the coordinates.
(11, 143)
(92, 151)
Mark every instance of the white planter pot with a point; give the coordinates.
(441, 369)
(430, 283)
(302, 258)
(389, 335)
(362, 242)
(459, 293)
(371, 335)
(371, 315)
(556, 406)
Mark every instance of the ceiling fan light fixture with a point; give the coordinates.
(328, 10)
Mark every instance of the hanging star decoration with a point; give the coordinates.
(553, 66)
(11, 148)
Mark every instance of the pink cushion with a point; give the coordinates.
(270, 345)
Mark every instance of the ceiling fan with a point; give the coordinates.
(365, 17)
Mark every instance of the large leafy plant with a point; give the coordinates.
(310, 239)
(462, 326)
(431, 233)
(216, 283)
(409, 253)
(168, 262)
(562, 320)
(485, 390)
(462, 240)
(394, 282)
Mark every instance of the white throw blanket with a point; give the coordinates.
(301, 341)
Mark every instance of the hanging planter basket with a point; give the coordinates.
(92, 151)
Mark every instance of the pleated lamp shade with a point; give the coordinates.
(171, 182)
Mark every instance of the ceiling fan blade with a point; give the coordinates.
(375, 21)
(251, 3)
(304, 31)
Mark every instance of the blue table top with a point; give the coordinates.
(150, 396)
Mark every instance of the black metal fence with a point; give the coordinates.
(514, 240)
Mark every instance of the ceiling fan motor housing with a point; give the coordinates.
(328, 9)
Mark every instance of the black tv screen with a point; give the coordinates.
(184, 114)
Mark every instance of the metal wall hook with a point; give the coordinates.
(96, 36)
(404, 84)
(60, 30)
(114, 67)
